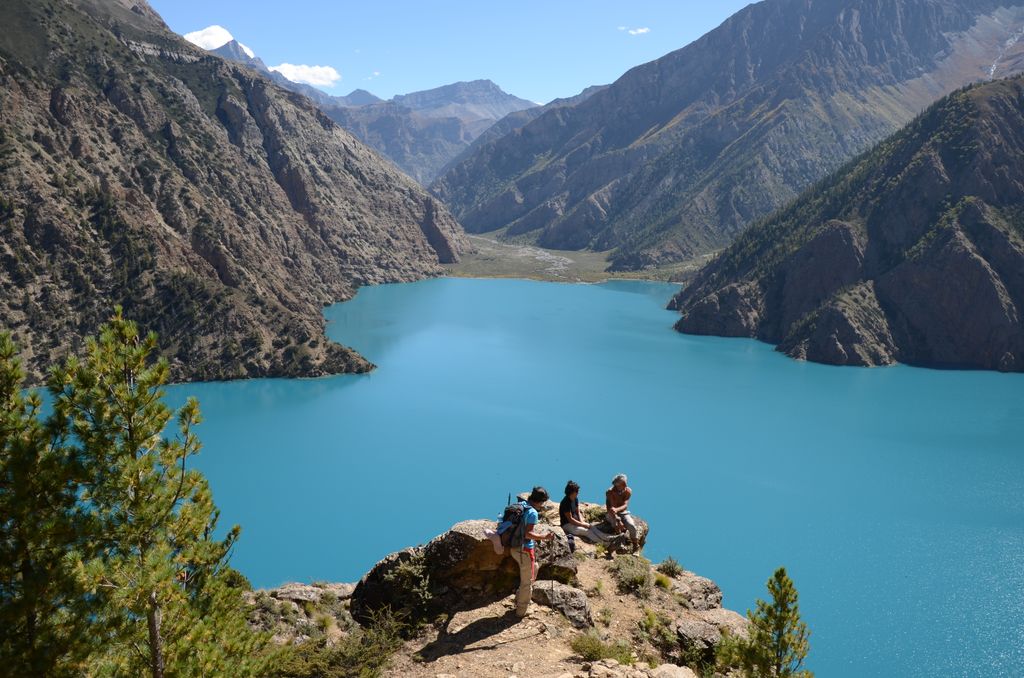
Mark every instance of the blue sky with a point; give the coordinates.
(536, 49)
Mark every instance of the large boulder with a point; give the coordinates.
(455, 571)
(609, 668)
(697, 638)
(568, 600)
(699, 593)
(729, 623)
(311, 593)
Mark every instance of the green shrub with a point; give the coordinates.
(411, 585)
(593, 514)
(670, 567)
(633, 574)
(604, 616)
(656, 629)
(590, 647)
(662, 582)
(364, 653)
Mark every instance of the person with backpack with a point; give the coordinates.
(518, 532)
(572, 524)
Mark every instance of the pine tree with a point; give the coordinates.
(160, 572)
(44, 616)
(778, 640)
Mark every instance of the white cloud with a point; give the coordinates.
(252, 55)
(318, 76)
(210, 37)
(373, 76)
(622, 28)
(639, 31)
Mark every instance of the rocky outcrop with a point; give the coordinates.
(455, 593)
(570, 601)
(913, 253)
(610, 668)
(300, 612)
(678, 155)
(699, 593)
(460, 570)
(219, 210)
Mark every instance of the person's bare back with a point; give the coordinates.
(616, 499)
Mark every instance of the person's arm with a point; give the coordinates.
(613, 511)
(531, 532)
(539, 536)
(579, 523)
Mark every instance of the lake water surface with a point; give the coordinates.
(894, 496)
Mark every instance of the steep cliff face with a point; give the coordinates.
(912, 253)
(678, 155)
(218, 209)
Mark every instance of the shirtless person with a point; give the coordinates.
(617, 502)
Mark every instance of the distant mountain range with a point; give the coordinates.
(236, 51)
(677, 156)
(217, 208)
(912, 253)
(420, 132)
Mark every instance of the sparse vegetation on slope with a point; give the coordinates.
(912, 252)
(216, 208)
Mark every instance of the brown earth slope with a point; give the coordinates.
(218, 209)
(912, 253)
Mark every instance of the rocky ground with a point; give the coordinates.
(658, 621)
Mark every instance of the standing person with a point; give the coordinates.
(569, 517)
(617, 502)
(525, 555)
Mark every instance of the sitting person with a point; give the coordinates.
(617, 502)
(569, 516)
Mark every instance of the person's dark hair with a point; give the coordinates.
(539, 495)
(571, 486)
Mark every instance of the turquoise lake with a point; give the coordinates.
(894, 496)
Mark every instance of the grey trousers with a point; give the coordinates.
(526, 575)
(591, 534)
(630, 524)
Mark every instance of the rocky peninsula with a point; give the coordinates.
(596, 612)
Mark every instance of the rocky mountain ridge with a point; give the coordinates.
(420, 132)
(912, 253)
(678, 155)
(218, 209)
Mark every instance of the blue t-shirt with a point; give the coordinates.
(530, 517)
